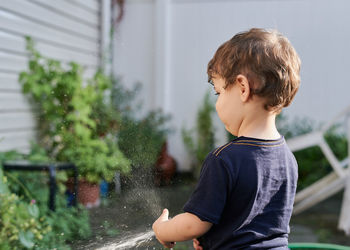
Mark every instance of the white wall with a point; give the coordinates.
(67, 30)
(318, 29)
(133, 58)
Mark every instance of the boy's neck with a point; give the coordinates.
(259, 125)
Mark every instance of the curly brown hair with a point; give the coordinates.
(267, 59)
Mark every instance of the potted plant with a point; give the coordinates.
(68, 126)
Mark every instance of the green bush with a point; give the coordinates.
(140, 139)
(21, 224)
(25, 220)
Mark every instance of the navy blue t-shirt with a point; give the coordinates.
(246, 189)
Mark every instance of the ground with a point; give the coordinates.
(133, 211)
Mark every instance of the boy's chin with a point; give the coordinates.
(229, 130)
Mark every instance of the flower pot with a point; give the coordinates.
(88, 194)
(165, 167)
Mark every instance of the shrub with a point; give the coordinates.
(70, 124)
(25, 220)
(140, 139)
(21, 224)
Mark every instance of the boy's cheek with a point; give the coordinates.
(222, 116)
(218, 105)
(218, 110)
(221, 110)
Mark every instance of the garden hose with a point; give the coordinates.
(317, 246)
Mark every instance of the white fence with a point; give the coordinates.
(166, 45)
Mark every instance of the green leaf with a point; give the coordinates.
(33, 210)
(26, 239)
(3, 186)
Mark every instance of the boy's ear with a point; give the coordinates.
(243, 86)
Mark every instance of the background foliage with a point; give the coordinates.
(200, 140)
(25, 220)
(312, 163)
(74, 119)
(139, 138)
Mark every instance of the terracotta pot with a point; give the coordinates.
(165, 167)
(88, 193)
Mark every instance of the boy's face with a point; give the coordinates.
(229, 103)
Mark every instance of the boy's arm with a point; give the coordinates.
(185, 226)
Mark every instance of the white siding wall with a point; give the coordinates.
(67, 30)
(319, 30)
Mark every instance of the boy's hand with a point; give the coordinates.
(196, 245)
(162, 218)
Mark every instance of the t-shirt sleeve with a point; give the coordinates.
(209, 197)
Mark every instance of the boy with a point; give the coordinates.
(245, 194)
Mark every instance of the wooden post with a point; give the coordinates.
(344, 219)
(315, 187)
(331, 158)
(319, 195)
